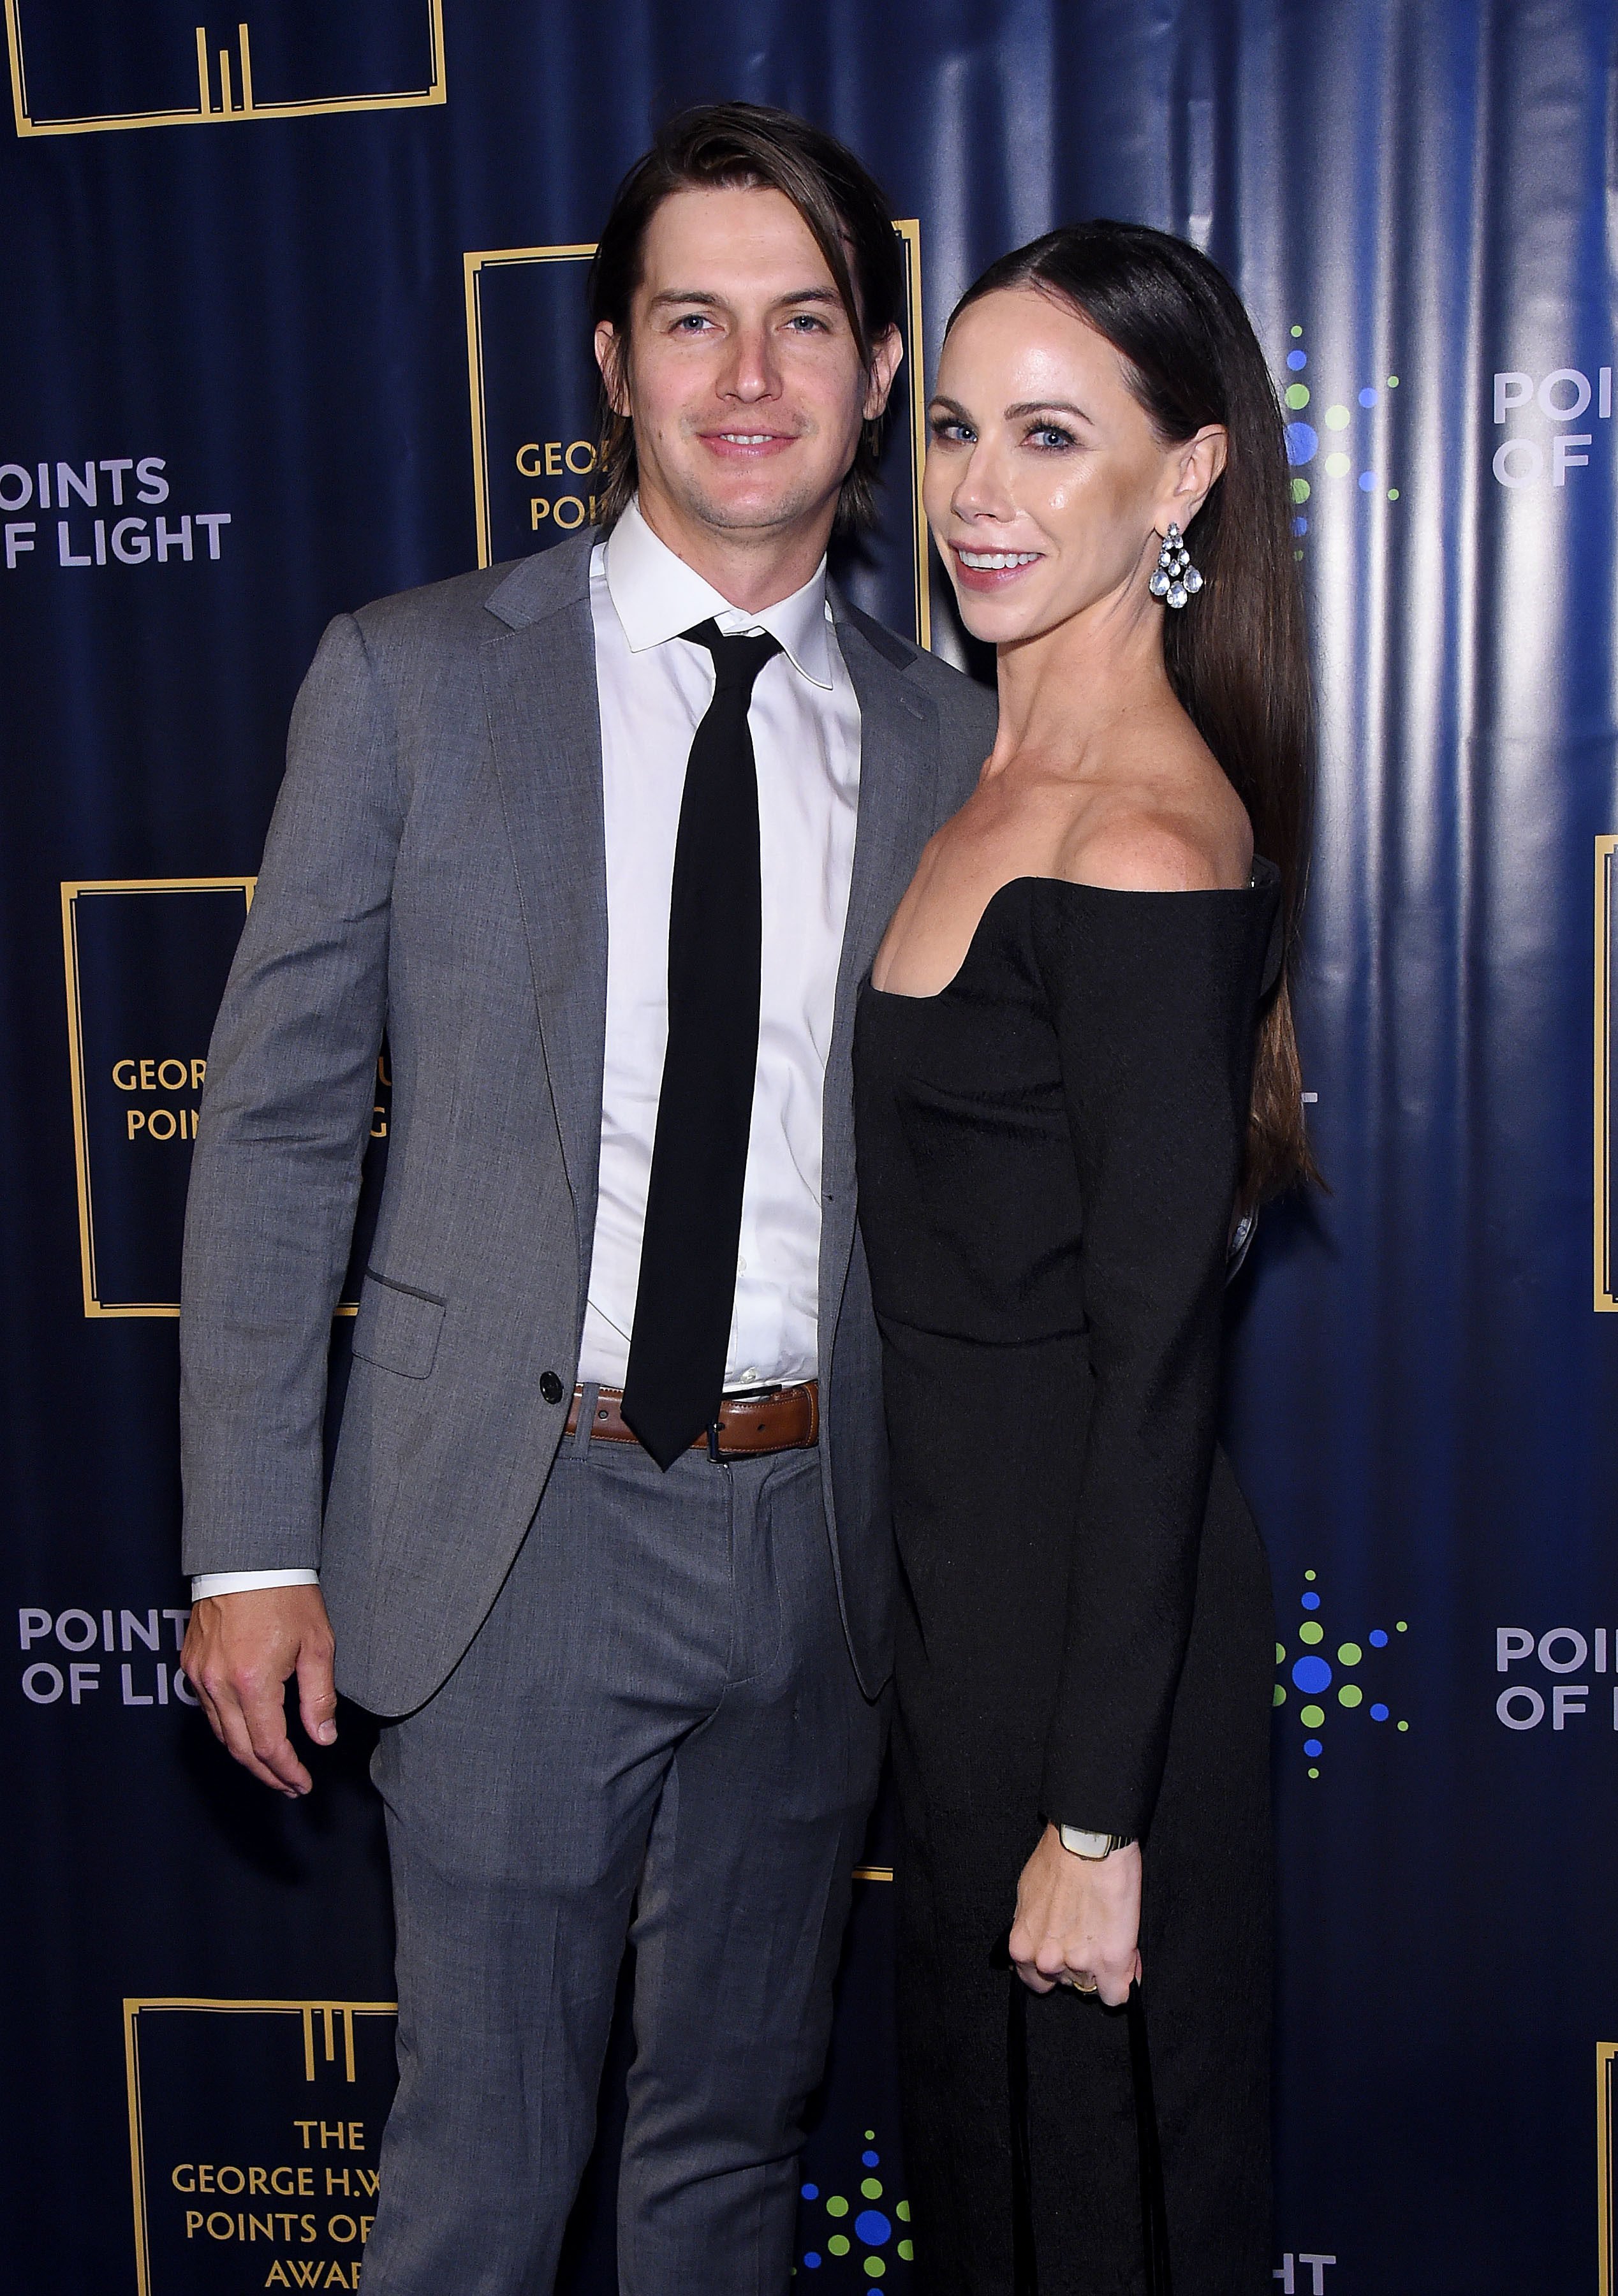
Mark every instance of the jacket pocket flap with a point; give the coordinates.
(397, 1329)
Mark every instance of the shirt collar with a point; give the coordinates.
(656, 597)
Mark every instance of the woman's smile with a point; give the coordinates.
(982, 569)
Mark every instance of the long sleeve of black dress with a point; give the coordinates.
(1048, 1157)
(1153, 1000)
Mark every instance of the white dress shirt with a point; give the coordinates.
(654, 688)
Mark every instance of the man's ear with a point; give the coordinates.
(885, 357)
(609, 359)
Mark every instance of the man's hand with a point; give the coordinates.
(240, 1650)
(1078, 1918)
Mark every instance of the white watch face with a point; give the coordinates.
(1085, 1845)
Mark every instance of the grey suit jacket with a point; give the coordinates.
(436, 869)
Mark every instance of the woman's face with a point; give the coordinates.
(1045, 486)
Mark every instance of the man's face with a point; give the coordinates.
(743, 377)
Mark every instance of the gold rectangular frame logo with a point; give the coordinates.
(1606, 2077)
(73, 891)
(1607, 896)
(237, 100)
(328, 2038)
(477, 260)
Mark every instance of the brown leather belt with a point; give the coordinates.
(766, 1419)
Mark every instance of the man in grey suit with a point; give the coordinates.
(604, 841)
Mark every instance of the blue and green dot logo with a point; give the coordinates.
(1328, 1683)
(865, 2231)
(1353, 446)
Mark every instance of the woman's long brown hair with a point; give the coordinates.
(1237, 654)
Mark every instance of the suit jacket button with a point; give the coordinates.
(550, 1387)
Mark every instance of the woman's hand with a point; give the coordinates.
(1078, 1918)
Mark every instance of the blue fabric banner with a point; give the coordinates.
(295, 319)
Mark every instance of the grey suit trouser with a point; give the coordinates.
(657, 1733)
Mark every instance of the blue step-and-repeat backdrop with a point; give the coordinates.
(293, 318)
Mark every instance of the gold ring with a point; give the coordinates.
(1081, 1986)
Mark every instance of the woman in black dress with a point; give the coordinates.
(1075, 1068)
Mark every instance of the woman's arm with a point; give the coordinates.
(1153, 998)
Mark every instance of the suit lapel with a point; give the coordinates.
(898, 803)
(897, 813)
(545, 725)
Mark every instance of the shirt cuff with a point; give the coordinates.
(238, 1582)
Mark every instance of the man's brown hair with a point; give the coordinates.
(749, 147)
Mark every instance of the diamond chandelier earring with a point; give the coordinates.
(1174, 579)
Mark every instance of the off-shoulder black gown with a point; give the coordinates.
(1048, 1154)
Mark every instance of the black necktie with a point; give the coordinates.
(687, 1285)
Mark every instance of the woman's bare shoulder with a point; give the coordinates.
(1175, 826)
(1147, 851)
